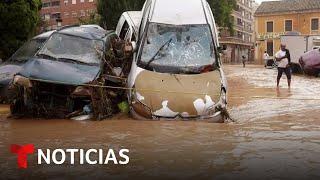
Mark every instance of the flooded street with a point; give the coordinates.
(276, 136)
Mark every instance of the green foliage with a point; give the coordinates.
(111, 10)
(94, 18)
(19, 19)
(222, 10)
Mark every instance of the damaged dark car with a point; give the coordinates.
(66, 79)
(13, 65)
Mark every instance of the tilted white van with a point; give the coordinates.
(176, 71)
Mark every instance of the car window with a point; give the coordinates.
(29, 49)
(125, 28)
(128, 35)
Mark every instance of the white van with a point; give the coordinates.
(176, 71)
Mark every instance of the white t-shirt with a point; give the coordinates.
(284, 62)
(265, 56)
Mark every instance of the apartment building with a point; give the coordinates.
(241, 42)
(276, 18)
(56, 13)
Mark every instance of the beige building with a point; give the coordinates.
(241, 43)
(276, 18)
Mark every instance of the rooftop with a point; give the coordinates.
(287, 6)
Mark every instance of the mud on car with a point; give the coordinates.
(67, 76)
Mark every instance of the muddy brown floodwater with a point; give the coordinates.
(276, 136)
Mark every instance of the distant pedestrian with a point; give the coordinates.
(265, 58)
(284, 59)
(244, 61)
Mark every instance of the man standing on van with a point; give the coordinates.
(284, 59)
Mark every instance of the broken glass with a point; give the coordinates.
(189, 46)
(62, 46)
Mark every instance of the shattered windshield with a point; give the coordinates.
(73, 48)
(29, 49)
(184, 47)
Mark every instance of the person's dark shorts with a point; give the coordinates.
(287, 71)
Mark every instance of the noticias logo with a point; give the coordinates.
(60, 156)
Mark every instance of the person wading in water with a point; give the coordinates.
(284, 59)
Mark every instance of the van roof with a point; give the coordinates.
(179, 12)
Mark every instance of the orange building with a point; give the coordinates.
(276, 18)
(56, 13)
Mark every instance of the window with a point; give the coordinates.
(288, 25)
(90, 0)
(239, 21)
(74, 14)
(47, 17)
(124, 30)
(74, 1)
(82, 13)
(66, 14)
(179, 53)
(270, 26)
(55, 3)
(315, 24)
(46, 4)
(55, 16)
(270, 48)
(82, 1)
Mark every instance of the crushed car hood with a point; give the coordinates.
(170, 95)
(7, 71)
(59, 72)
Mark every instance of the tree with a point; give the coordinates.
(19, 20)
(94, 18)
(111, 10)
(222, 10)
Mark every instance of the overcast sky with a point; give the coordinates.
(259, 1)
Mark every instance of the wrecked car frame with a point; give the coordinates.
(67, 77)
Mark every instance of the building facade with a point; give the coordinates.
(276, 18)
(57, 13)
(241, 42)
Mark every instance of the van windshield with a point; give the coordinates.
(177, 48)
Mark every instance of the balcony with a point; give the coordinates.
(234, 40)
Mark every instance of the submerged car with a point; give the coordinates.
(54, 83)
(176, 71)
(310, 62)
(13, 65)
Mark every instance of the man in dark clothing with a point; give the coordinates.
(284, 59)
